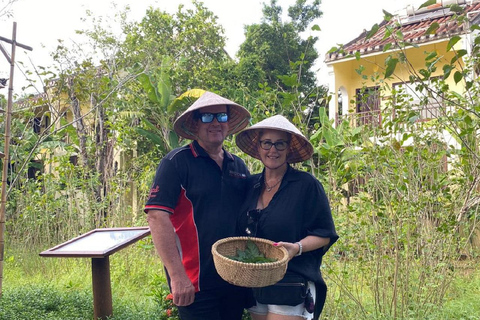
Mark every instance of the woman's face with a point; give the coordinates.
(273, 140)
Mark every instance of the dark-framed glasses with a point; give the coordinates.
(252, 221)
(279, 145)
(208, 117)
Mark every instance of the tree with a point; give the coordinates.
(413, 197)
(275, 65)
(173, 53)
(121, 95)
(191, 41)
(5, 7)
(274, 48)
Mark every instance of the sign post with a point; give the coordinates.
(99, 244)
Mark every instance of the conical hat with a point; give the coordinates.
(300, 148)
(185, 124)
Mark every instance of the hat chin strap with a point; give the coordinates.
(239, 124)
(185, 129)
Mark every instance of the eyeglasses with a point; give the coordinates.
(279, 145)
(252, 221)
(222, 117)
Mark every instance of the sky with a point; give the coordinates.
(40, 23)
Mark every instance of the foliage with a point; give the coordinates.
(66, 283)
(164, 299)
(44, 302)
(402, 191)
(274, 49)
(190, 40)
(69, 290)
(251, 254)
(406, 223)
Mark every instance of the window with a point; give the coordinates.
(40, 124)
(37, 125)
(423, 98)
(35, 168)
(368, 106)
(74, 160)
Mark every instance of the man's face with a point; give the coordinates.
(212, 134)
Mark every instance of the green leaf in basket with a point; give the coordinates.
(251, 254)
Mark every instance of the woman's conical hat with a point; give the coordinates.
(300, 148)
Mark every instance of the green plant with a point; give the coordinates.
(38, 302)
(164, 299)
(251, 254)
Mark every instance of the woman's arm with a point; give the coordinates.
(309, 243)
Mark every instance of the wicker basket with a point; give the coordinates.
(249, 274)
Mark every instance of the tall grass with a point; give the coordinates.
(38, 287)
(60, 288)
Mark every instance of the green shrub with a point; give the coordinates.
(164, 299)
(38, 302)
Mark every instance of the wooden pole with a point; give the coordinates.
(6, 161)
(102, 290)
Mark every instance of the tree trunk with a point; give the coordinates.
(79, 124)
(101, 163)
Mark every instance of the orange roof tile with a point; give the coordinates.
(413, 28)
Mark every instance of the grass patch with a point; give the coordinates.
(39, 302)
(36, 287)
(45, 302)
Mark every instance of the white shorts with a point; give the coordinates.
(298, 310)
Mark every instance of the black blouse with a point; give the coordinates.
(298, 209)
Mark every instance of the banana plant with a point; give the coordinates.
(157, 127)
(337, 150)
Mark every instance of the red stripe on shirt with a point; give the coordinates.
(194, 151)
(186, 230)
(156, 207)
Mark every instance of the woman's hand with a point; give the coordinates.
(292, 248)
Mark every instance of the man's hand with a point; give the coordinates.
(163, 237)
(183, 291)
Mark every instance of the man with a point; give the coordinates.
(193, 202)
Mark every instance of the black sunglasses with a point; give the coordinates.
(252, 221)
(279, 145)
(222, 117)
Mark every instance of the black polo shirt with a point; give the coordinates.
(203, 203)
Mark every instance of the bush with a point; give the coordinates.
(162, 296)
(39, 302)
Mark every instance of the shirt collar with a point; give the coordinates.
(198, 151)
(288, 176)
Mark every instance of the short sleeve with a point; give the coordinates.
(166, 188)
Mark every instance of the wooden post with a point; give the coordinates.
(8, 120)
(102, 290)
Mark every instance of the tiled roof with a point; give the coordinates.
(36, 99)
(413, 28)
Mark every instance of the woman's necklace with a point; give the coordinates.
(269, 188)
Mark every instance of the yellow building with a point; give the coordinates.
(362, 62)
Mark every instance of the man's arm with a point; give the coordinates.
(163, 236)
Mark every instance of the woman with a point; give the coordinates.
(289, 207)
